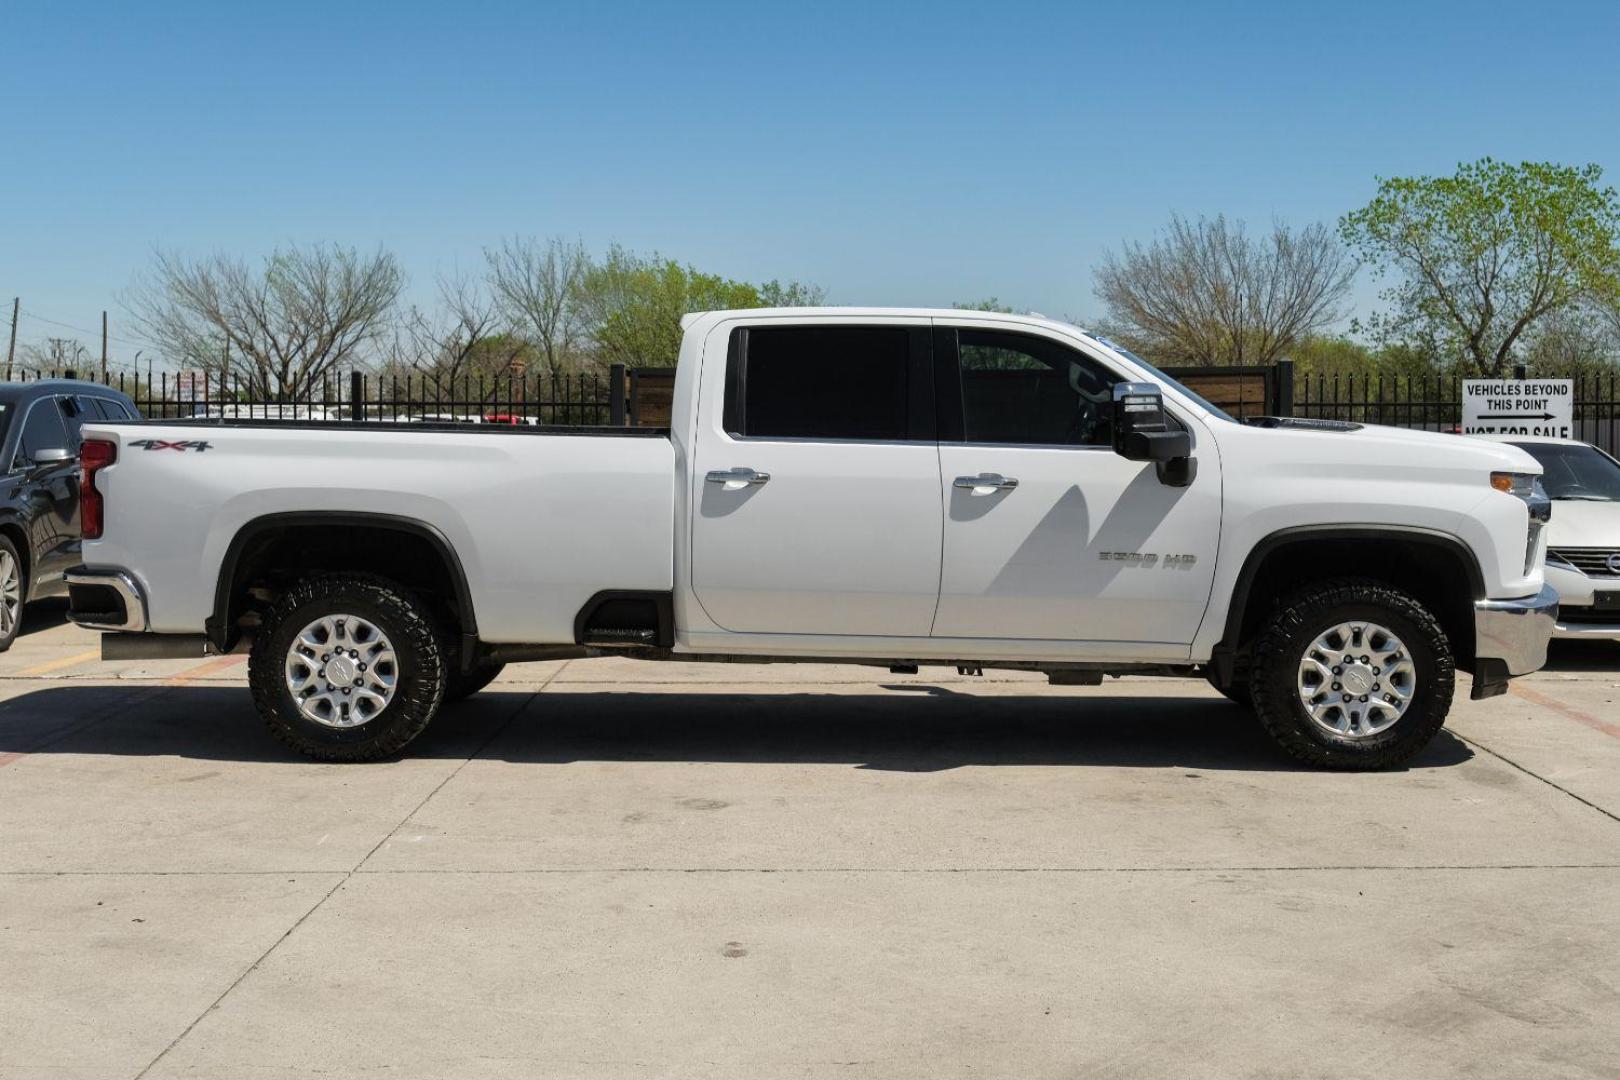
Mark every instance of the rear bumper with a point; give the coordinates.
(105, 600)
(1510, 638)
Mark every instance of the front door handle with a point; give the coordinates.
(986, 481)
(739, 477)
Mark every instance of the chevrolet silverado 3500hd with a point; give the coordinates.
(891, 487)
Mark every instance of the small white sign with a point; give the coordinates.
(1543, 407)
(191, 386)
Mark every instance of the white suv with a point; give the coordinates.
(1583, 546)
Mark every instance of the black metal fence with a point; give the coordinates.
(1434, 403)
(583, 399)
(626, 398)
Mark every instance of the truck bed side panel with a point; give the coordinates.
(540, 523)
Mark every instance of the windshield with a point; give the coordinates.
(1167, 380)
(1582, 473)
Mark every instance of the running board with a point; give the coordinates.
(156, 646)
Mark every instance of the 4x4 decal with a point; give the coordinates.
(164, 444)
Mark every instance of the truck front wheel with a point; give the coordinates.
(347, 667)
(1352, 674)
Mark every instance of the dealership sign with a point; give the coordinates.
(1519, 407)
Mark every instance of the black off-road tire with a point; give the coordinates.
(8, 637)
(1291, 628)
(394, 610)
(464, 684)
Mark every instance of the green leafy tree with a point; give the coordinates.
(634, 303)
(1328, 356)
(1480, 257)
(1569, 344)
(791, 294)
(989, 303)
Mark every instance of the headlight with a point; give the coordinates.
(1527, 486)
(1521, 484)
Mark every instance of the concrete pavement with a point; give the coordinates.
(609, 869)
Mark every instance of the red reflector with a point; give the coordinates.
(94, 455)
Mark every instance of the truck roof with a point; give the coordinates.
(1031, 319)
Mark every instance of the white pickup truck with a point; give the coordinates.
(890, 487)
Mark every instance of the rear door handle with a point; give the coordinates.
(988, 481)
(740, 477)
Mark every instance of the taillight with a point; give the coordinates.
(94, 455)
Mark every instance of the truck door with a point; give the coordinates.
(49, 489)
(1050, 535)
(817, 507)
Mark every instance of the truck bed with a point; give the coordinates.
(540, 524)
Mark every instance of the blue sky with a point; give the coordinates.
(903, 153)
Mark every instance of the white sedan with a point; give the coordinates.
(1583, 544)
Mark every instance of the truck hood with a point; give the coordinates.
(1577, 523)
(1420, 448)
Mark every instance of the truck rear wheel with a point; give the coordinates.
(1352, 674)
(347, 667)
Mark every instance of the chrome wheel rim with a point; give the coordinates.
(10, 594)
(342, 671)
(1356, 680)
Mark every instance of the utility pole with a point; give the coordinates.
(103, 348)
(11, 350)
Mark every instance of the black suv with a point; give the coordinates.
(39, 515)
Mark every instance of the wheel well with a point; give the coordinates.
(1437, 571)
(269, 555)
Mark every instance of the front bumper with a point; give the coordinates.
(105, 600)
(1510, 638)
(1576, 625)
(1586, 605)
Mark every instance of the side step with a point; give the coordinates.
(156, 646)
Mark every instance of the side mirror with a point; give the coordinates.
(1142, 432)
(54, 455)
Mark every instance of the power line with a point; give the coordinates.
(132, 342)
(153, 363)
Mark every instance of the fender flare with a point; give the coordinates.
(1226, 648)
(221, 625)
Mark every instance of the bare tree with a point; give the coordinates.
(1206, 293)
(465, 333)
(284, 326)
(56, 355)
(537, 288)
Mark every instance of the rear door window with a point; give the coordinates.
(862, 383)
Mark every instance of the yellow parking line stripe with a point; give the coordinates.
(57, 665)
(201, 670)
